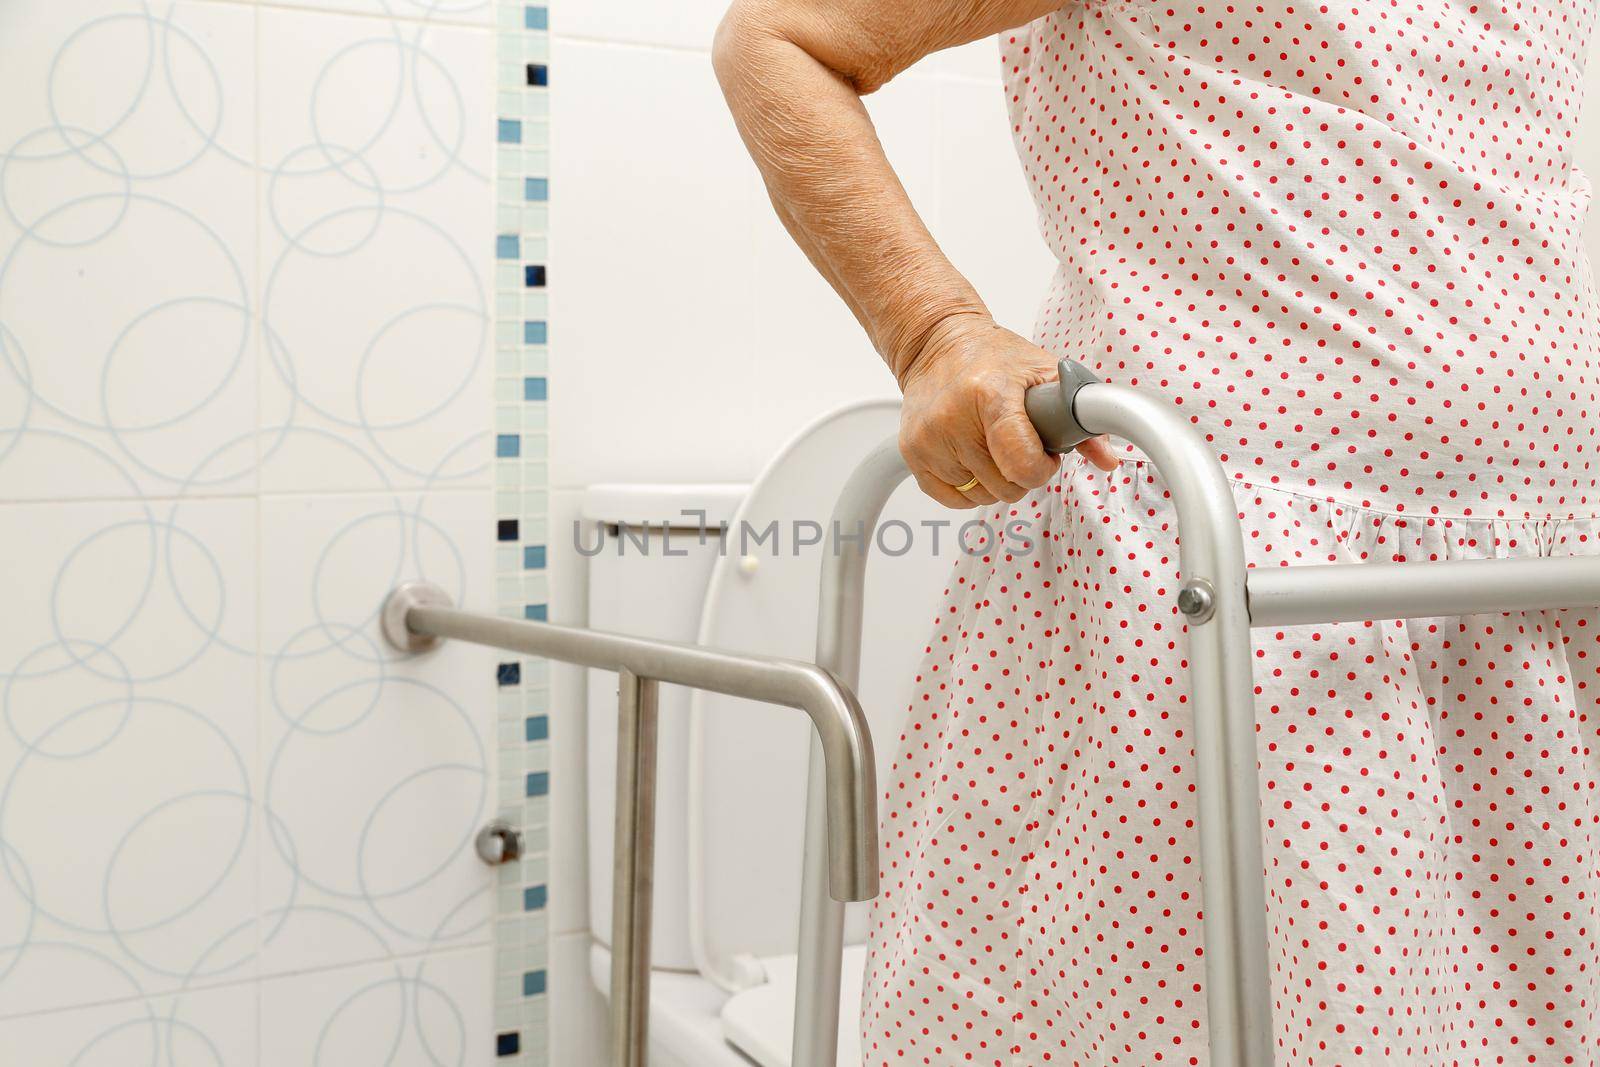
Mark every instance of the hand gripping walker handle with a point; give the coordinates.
(1049, 408)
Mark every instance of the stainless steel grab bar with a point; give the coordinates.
(417, 615)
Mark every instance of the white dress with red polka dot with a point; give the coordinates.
(1346, 239)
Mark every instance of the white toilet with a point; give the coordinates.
(731, 773)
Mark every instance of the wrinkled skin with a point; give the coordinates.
(963, 415)
(793, 73)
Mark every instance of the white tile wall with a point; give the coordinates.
(245, 387)
(405, 1013)
(578, 1031)
(376, 149)
(200, 1026)
(405, 747)
(127, 250)
(472, 12)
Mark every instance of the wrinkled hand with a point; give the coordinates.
(963, 415)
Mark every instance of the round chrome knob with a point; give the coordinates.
(498, 843)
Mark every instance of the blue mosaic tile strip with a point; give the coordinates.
(521, 445)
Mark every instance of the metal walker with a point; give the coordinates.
(1221, 600)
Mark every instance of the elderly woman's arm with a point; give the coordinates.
(794, 72)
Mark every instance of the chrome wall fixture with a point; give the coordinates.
(416, 616)
(498, 843)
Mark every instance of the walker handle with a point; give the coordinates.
(1049, 408)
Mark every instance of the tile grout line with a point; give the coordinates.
(379, 16)
(264, 496)
(257, 980)
(258, 998)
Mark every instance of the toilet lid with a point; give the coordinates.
(747, 760)
(760, 1022)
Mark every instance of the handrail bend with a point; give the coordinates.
(841, 725)
(1213, 598)
(417, 615)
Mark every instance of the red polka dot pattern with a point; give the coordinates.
(1346, 240)
(1430, 808)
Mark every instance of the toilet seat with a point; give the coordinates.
(760, 1021)
(695, 1024)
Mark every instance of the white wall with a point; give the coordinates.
(244, 386)
(688, 316)
(693, 338)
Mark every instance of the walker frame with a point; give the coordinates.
(1222, 601)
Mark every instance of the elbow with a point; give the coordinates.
(756, 34)
(737, 41)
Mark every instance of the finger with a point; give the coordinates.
(949, 466)
(989, 477)
(942, 491)
(979, 495)
(1017, 451)
(1097, 450)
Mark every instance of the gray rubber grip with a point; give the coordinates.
(1049, 408)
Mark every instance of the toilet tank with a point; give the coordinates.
(648, 572)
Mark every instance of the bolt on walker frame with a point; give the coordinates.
(1221, 601)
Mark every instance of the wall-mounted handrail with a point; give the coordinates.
(417, 615)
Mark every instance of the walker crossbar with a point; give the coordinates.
(1222, 601)
(417, 615)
